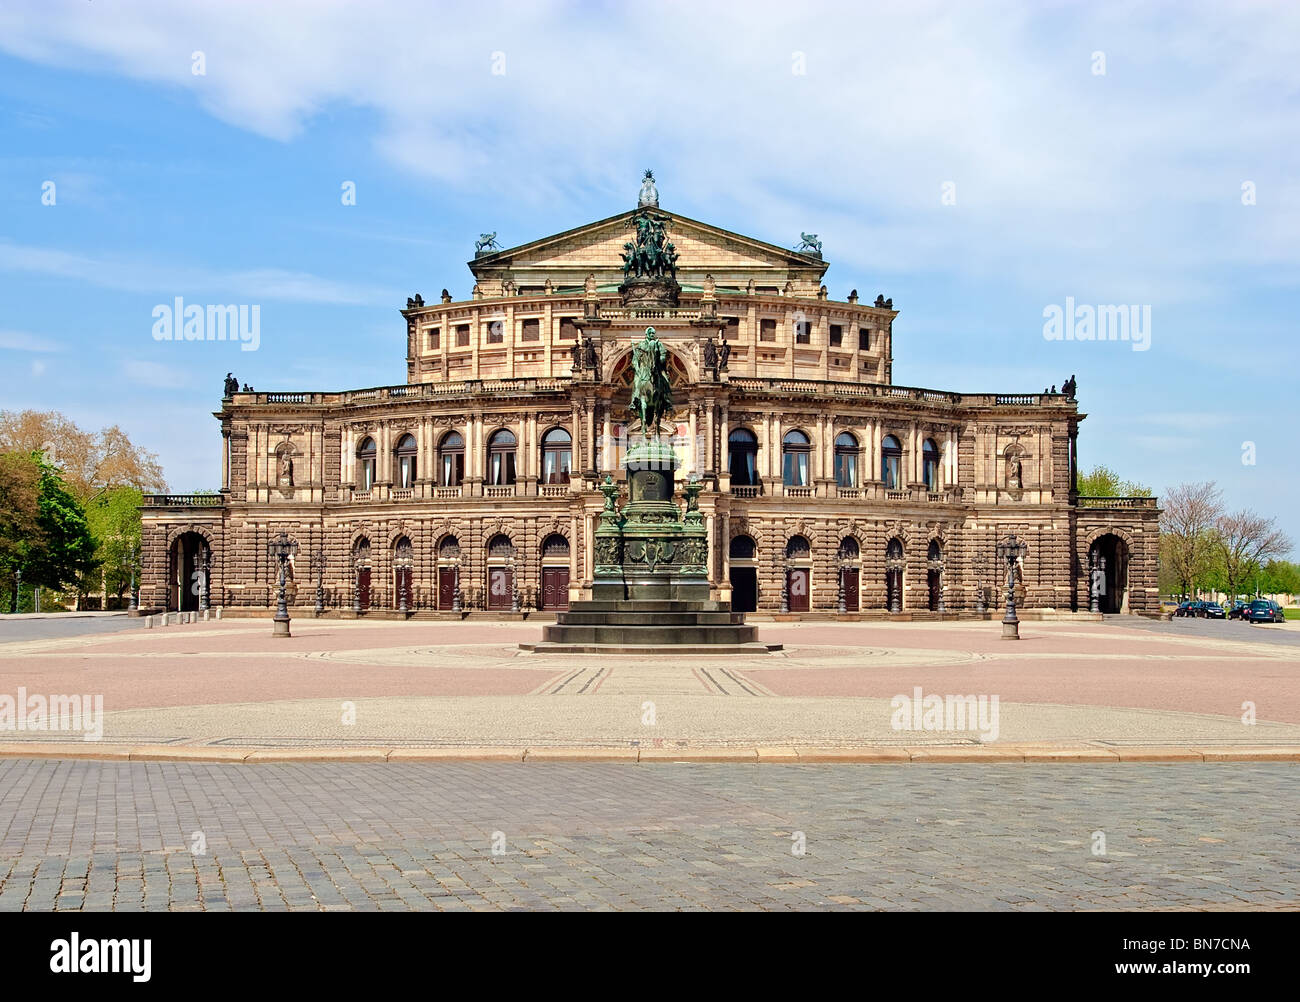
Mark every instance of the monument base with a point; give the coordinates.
(650, 626)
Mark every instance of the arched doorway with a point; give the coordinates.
(741, 558)
(1108, 574)
(555, 572)
(190, 573)
(448, 572)
(501, 573)
(798, 574)
(361, 575)
(403, 559)
(894, 575)
(934, 576)
(850, 576)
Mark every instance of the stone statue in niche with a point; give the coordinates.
(1013, 471)
(286, 469)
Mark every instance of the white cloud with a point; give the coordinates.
(1128, 181)
(165, 280)
(23, 341)
(155, 375)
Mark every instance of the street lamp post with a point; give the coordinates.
(133, 605)
(356, 585)
(1011, 550)
(455, 587)
(403, 565)
(320, 581)
(281, 549)
(839, 599)
(203, 578)
(514, 588)
(785, 588)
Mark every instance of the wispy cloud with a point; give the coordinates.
(165, 280)
(23, 341)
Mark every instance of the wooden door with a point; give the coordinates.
(932, 580)
(850, 589)
(797, 589)
(363, 587)
(499, 587)
(555, 587)
(446, 587)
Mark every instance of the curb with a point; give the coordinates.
(979, 754)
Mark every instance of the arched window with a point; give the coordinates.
(500, 547)
(846, 460)
(742, 458)
(930, 466)
(891, 463)
(934, 551)
(742, 548)
(366, 463)
(894, 551)
(501, 459)
(849, 549)
(557, 456)
(798, 548)
(451, 459)
(555, 547)
(449, 548)
(405, 456)
(795, 450)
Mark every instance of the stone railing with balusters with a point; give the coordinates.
(1087, 501)
(183, 501)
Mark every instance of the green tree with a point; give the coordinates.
(21, 531)
(66, 549)
(1103, 482)
(114, 520)
(1278, 577)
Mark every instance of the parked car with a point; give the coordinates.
(1201, 610)
(1264, 610)
(1237, 610)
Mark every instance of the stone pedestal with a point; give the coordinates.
(650, 592)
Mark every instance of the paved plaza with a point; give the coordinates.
(485, 836)
(383, 684)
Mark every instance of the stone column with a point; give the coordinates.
(225, 460)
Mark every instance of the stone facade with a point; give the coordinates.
(423, 475)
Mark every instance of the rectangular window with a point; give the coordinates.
(864, 339)
(767, 330)
(432, 338)
(846, 469)
(568, 329)
(768, 290)
(837, 335)
(556, 465)
(795, 469)
(803, 332)
(532, 330)
(462, 335)
(496, 332)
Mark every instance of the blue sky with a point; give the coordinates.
(1122, 187)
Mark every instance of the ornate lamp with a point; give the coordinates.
(785, 587)
(281, 549)
(455, 591)
(134, 605)
(203, 577)
(1011, 550)
(514, 587)
(841, 605)
(318, 558)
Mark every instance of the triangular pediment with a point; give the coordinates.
(566, 259)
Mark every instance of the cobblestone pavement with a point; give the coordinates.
(99, 836)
